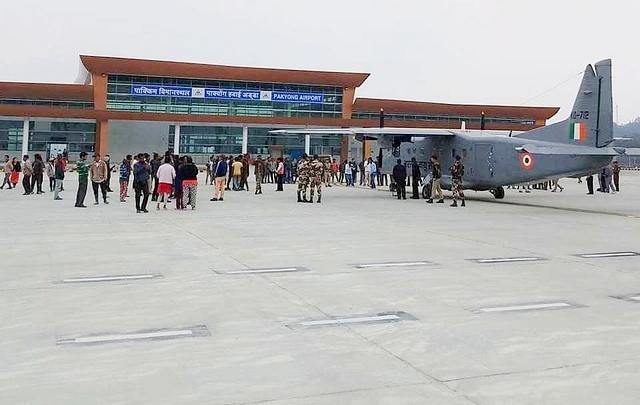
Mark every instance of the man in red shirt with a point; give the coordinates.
(335, 168)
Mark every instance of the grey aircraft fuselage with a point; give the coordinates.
(577, 146)
(490, 161)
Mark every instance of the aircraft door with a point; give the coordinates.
(484, 162)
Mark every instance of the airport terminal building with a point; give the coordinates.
(120, 106)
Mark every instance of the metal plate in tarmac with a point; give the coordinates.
(150, 334)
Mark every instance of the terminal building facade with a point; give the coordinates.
(124, 106)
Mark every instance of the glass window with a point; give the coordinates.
(440, 118)
(80, 136)
(49, 103)
(207, 139)
(11, 135)
(119, 89)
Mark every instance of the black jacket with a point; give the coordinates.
(436, 170)
(38, 166)
(189, 172)
(415, 170)
(141, 172)
(399, 173)
(59, 172)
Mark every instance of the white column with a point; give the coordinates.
(25, 138)
(245, 140)
(307, 143)
(176, 140)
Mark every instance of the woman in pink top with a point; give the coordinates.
(280, 173)
(166, 175)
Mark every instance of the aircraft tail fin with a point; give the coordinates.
(605, 124)
(590, 122)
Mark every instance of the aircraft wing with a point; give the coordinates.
(568, 150)
(368, 131)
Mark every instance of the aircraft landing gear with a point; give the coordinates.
(498, 193)
(426, 191)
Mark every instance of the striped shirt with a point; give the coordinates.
(82, 169)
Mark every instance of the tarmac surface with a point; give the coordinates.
(362, 299)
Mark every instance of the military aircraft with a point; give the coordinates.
(577, 146)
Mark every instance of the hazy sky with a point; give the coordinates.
(456, 51)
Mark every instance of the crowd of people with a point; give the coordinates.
(400, 177)
(608, 179)
(167, 177)
(236, 171)
(32, 173)
(160, 177)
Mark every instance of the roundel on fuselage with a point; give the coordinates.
(527, 161)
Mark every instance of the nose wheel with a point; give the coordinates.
(426, 191)
(498, 193)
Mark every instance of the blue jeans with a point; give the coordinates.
(373, 180)
(348, 179)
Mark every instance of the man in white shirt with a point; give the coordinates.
(348, 174)
(373, 170)
(367, 172)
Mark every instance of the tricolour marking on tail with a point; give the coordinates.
(590, 122)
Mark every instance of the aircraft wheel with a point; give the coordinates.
(426, 191)
(498, 193)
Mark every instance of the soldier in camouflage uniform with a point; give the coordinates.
(260, 169)
(457, 171)
(327, 172)
(316, 176)
(303, 177)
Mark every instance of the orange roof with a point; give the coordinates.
(140, 67)
(464, 110)
(46, 91)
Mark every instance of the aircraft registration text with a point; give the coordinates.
(580, 115)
